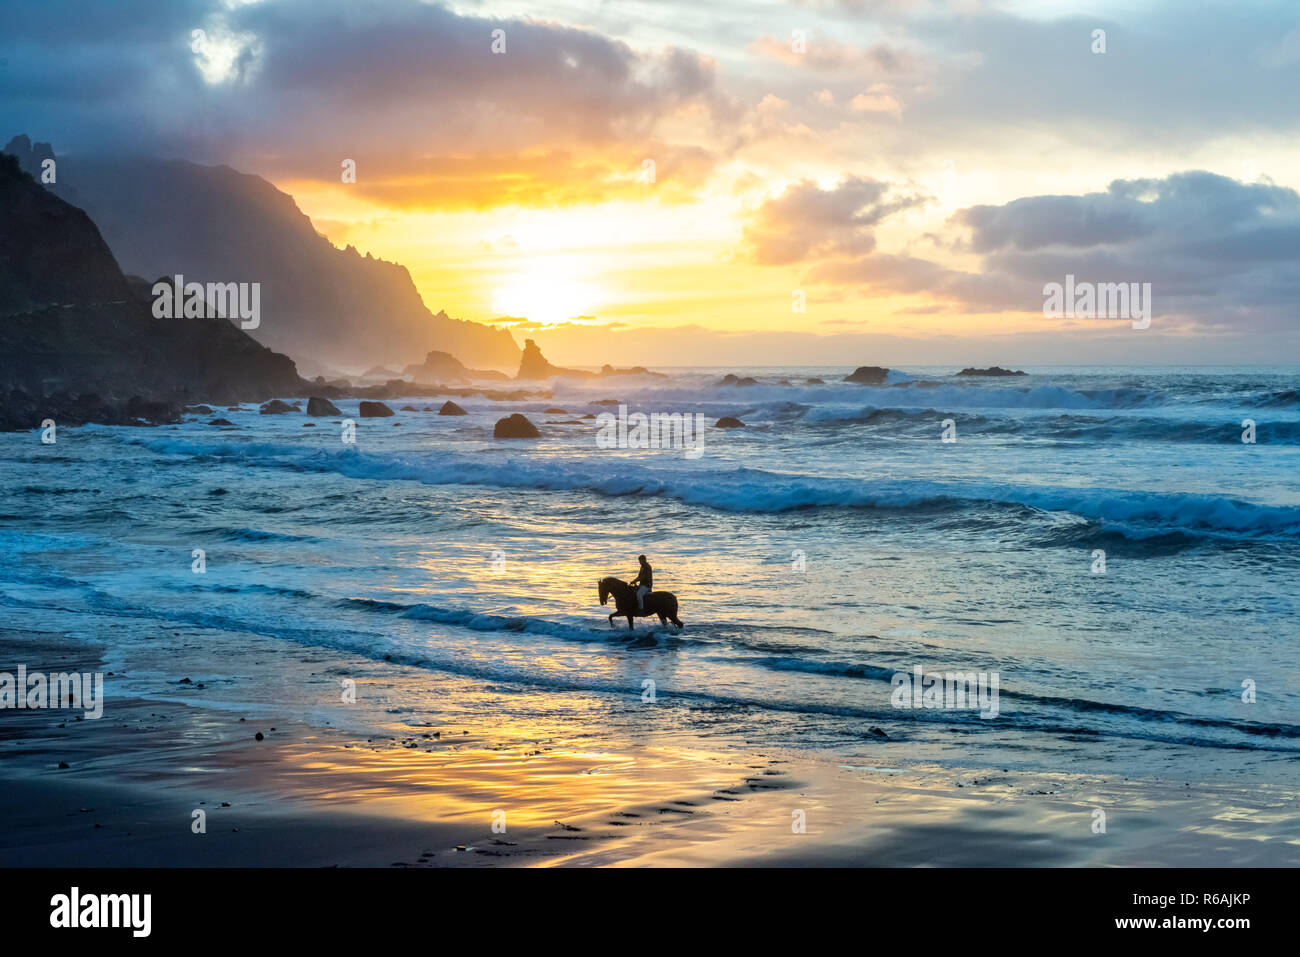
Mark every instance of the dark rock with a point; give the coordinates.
(152, 411)
(197, 410)
(867, 375)
(606, 402)
(275, 407)
(445, 367)
(226, 422)
(408, 408)
(515, 427)
(555, 412)
(728, 422)
(375, 410)
(730, 379)
(319, 406)
(309, 425)
(259, 736)
(63, 765)
(533, 365)
(990, 371)
(877, 732)
(451, 408)
(815, 381)
(609, 370)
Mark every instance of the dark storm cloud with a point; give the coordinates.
(327, 75)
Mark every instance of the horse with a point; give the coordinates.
(661, 603)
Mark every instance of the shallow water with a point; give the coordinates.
(830, 544)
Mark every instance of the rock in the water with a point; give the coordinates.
(729, 422)
(197, 410)
(375, 410)
(451, 408)
(515, 427)
(730, 379)
(990, 371)
(607, 402)
(444, 367)
(555, 412)
(867, 375)
(318, 406)
(408, 408)
(221, 422)
(534, 365)
(275, 407)
(815, 381)
(877, 732)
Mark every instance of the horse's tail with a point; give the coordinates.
(671, 611)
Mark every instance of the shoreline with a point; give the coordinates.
(319, 796)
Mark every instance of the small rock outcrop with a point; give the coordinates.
(445, 367)
(867, 375)
(515, 427)
(730, 379)
(991, 371)
(318, 406)
(275, 407)
(728, 422)
(534, 365)
(451, 408)
(375, 410)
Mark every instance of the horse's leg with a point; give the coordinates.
(662, 619)
(629, 621)
(611, 618)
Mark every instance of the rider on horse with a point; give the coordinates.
(645, 579)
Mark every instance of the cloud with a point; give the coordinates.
(807, 221)
(278, 86)
(1216, 251)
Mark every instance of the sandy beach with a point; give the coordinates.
(315, 796)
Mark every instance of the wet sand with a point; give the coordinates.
(315, 796)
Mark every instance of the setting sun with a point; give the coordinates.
(545, 293)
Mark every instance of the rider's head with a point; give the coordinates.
(641, 559)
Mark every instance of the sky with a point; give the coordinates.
(743, 182)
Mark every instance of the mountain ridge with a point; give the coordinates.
(322, 304)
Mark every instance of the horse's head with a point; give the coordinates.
(604, 590)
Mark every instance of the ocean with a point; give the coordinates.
(1100, 540)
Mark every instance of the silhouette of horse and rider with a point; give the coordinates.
(638, 599)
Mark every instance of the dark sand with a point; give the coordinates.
(319, 796)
